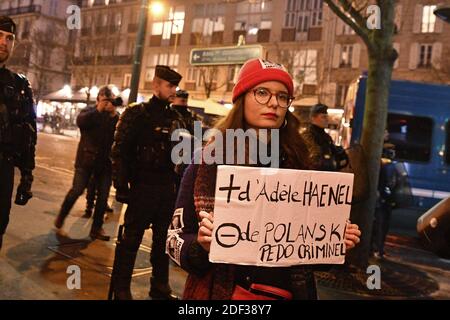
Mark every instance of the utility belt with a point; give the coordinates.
(257, 291)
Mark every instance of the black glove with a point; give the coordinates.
(123, 194)
(24, 190)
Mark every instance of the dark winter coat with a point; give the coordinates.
(97, 136)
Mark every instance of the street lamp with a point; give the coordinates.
(156, 8)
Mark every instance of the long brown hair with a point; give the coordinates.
(291, 142)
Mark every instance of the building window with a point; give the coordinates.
(428, 19)
(174, 23)
(305, 67)
(253, 21)
(341, 93)
(157, 28)
(118, 20)
(346, 56)
(126, 80)
(166, 59)
(131, 46)
(208, 30)
(303, 14)
(412, 137)
(193, 78)
(425, 55)
(316, 13)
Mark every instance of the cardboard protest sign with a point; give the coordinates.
(280, 217)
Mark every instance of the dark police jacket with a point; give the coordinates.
(17, 120)
(142, 148)
(97, 136)
(323, 153)
(188, 117)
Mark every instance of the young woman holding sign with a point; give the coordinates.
(261, 100)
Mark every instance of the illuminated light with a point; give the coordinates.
(126, 92)
(291, 109)
(67, 91)
(229, 106)
(115, 90)
(94, 91)
(253, 31)
(140, 98)
(157, 8)
(336, 111)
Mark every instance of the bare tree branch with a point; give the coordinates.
(359, 29)
(354, 13)
(360, 7)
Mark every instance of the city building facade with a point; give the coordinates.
(322, 53)
(42, 51)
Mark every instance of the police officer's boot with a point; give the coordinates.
(122, 273)
(160, 290)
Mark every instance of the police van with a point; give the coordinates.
(419, 127)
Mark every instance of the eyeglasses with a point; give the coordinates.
(263, 96)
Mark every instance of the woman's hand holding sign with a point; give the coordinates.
(352, 234)
(205, 228)
(204, 237)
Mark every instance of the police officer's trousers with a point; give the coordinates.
(149, 204)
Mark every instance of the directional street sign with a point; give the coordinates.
(225, 55)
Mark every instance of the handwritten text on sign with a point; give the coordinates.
(280, 217)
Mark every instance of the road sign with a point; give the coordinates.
(225, 55)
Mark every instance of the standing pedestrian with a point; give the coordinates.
(17, 129)
(97, 125)
(385, 198)
(144, 178)
(324, 154)
(261, 99)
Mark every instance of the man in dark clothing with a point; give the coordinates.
(180, 104)
(385, 198)
(17, 129)
(143, 174)
(91, 195)
(97, 125)
(324, 154)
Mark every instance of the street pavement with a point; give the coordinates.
(35, 261)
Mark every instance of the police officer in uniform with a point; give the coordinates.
(181, 105)
(324, 154)
(17, 129)
(143, 175)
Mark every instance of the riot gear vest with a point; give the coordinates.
(143, 146)
(17, 119)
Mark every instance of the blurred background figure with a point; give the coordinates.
(385, 197)
(91, 195)
(323, 153)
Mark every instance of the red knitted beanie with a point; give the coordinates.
(255, 71)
